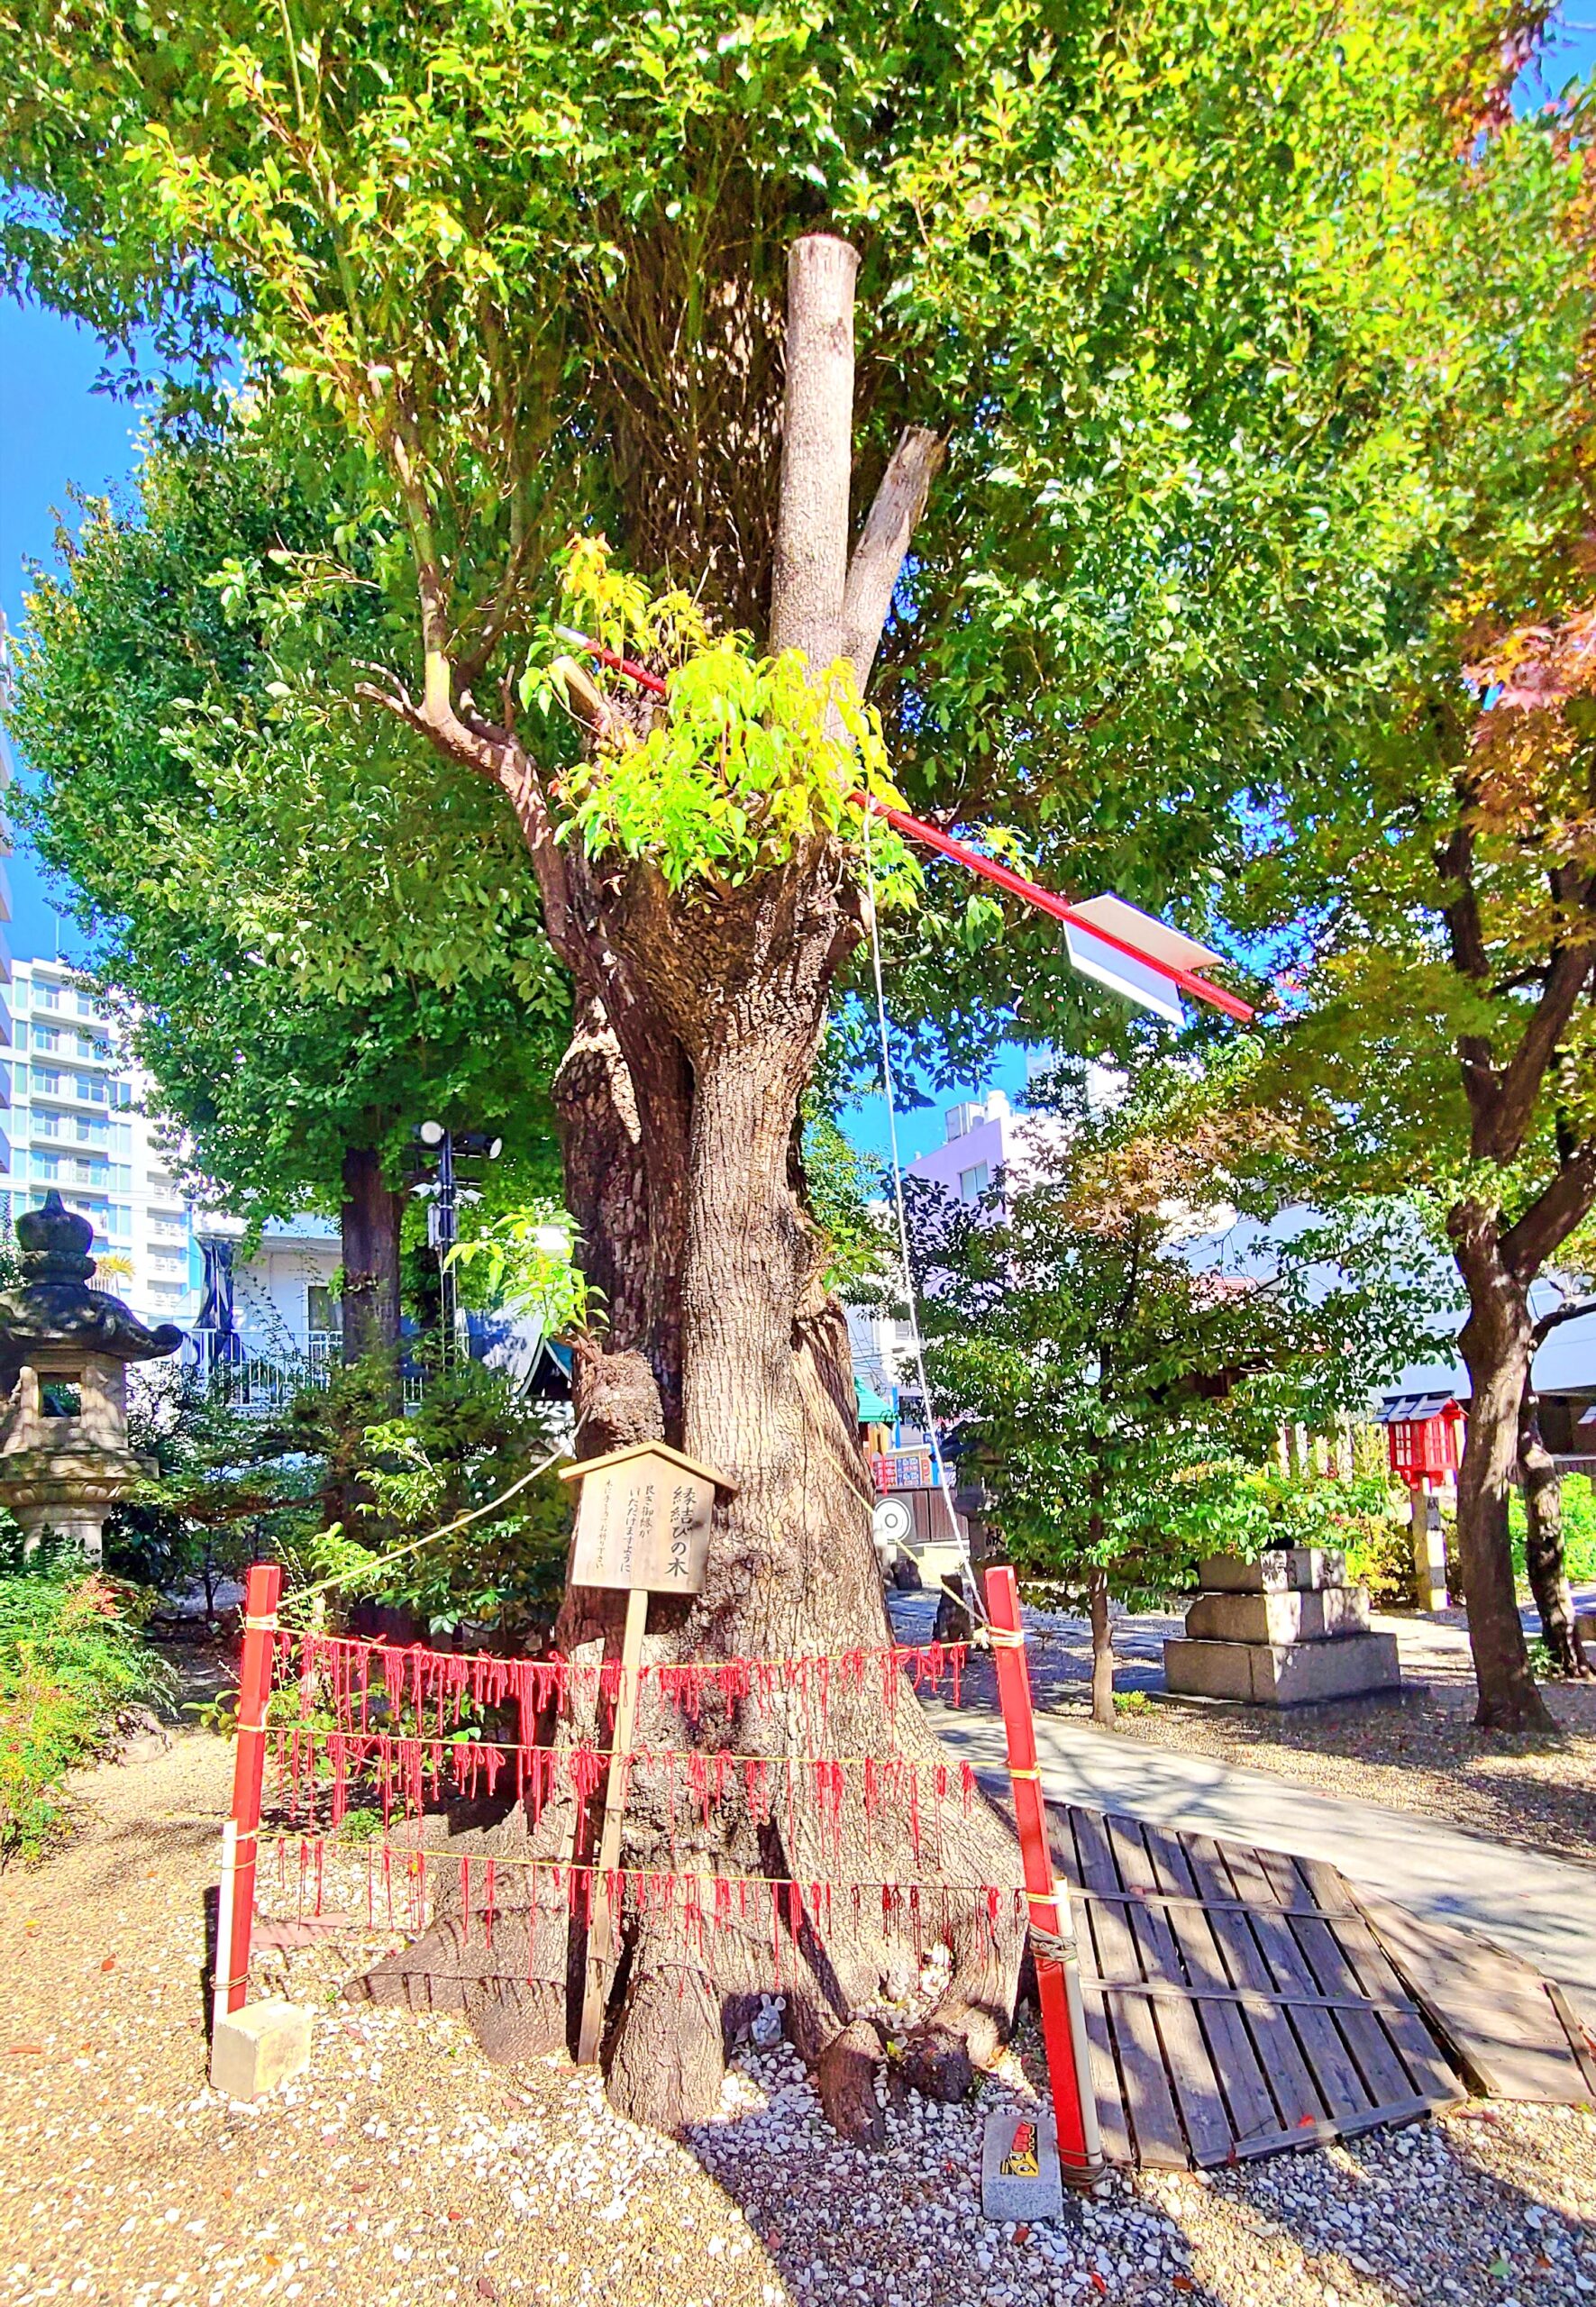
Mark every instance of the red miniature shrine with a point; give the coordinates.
(1424, 1434)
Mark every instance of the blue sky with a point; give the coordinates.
(57, 432)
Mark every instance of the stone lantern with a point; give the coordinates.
(64, 1351)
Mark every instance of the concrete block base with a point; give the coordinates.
(1293, 1616)
(1275, 1673)
(1284, 1570)
(1020, 2166)
(259, 2048)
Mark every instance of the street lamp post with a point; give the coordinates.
(443, 1216)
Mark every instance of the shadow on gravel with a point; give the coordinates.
(1425, 2213)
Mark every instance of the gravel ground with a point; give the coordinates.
(403, 2169)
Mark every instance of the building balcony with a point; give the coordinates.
(270, 1371)
(84, 1177)
(66, 1142)
(48, 1087)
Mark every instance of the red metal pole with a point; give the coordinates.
(1058, 1984)
(989, 868)
(1006, 877)
(263, 1589)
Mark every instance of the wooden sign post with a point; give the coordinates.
(642, 1527)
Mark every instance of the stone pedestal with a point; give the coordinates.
(1284, 1630)
(64, 1352)
(259, 2048)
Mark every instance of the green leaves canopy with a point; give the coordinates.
(1190, 287)
(313, 935)
(1110, 1373)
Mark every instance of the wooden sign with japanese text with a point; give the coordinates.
(644, 1520)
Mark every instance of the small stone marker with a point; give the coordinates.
(1020, 2166)
(255, 2049)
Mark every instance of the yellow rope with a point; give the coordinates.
(449, 1861)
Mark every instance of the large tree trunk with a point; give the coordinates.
(370, 1225)
(1542, 1545)
(700, 1016)
(1497, 1344)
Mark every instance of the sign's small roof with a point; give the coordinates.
(648, 1450)
(1412, 1409)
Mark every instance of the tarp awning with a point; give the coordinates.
(874, 1408)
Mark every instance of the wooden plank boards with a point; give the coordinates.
(1433, 2076)
(1238, 2072)
(1178, 2017)
(1508, 2032)
(1150, 2108)
(1105, 2071)
(1297, 2095)
(1238, 2003)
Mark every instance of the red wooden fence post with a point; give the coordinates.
(1058, 1984)
(235, 1912)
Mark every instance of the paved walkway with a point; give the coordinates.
(1543, 1909)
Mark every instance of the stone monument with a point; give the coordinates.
(1280, 1631)
(64, 1351)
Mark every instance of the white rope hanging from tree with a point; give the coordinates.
(967, 1568)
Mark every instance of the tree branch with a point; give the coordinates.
(883, 542)
(498, 755)
(1518, 1083)
(1502, 1098)
(1552, 1216)
(811, 570)
(1570, 1311)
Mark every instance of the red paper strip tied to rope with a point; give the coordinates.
(797, 1915)
(340, 1674)
(406, 1774)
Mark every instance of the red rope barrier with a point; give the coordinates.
(405, 1726)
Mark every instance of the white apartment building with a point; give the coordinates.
(75, 1125)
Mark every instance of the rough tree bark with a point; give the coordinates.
(698, 1019)
(1498, 1259)
(1497, 1344)
(370, 1230)
(1102, 1650)
(1542, 1545)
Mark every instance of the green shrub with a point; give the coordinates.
(1579, 1528)
(1380, 1556)
(70, 1662)
(1365, 1514)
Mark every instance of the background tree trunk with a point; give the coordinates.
(1102, 1651)
(1497, 1344)
(1542, 1545)
(369, 1226)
